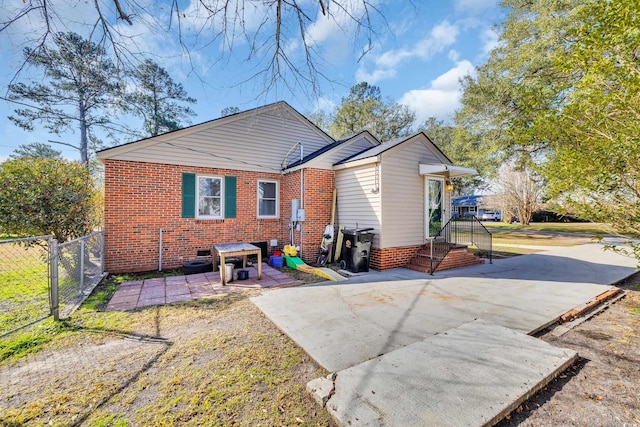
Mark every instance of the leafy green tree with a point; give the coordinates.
(595, 166)
(520, 83)
(158, 100)
(563, 88)
(36, 150)
(46, 196)
(320, 118)
(461, 150)
(78, 91)
(366, 109)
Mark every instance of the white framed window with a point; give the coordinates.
(210, 197)
(268, 198)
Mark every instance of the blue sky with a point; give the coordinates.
(419, 53)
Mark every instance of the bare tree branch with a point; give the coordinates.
(271, 43)
(63, 143)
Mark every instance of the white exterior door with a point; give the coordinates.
(434, 205)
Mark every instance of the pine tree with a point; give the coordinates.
(79, 91)
(158, 100)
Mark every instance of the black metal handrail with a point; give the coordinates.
(460, 231)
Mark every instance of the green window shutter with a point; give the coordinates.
(188, 195)
(229, 196)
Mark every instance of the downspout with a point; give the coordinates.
(301, 192)
(160, 251)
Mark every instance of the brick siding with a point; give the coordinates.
(384, 259)
(142, 198)
(458, 258)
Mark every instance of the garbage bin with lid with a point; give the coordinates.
(356, 246)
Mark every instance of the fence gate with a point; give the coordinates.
(77, 268)
(25, 283)
(40, 278)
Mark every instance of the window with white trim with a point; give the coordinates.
(209, 203)
(268, 198)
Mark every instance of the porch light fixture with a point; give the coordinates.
(448, 186)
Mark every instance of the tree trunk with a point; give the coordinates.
(82, 110)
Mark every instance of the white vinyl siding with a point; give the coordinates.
(255, 141)
(345, 150)
(268, 198)
(403, 204)
(358, 202)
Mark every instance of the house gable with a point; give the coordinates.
(402, 190)
(419, 145)
(431, 153)
(327, 156)
(255, 140)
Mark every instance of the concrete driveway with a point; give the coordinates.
(388, 318)
(341, 325)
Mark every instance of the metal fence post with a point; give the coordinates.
(102, 251)
(81, 265)
(53, 260)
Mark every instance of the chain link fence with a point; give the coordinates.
(40, 278)
(79, 270)
(24, 282)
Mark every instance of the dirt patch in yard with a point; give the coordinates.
(603, 388)
(207, 362)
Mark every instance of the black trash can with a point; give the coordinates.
(356, 247)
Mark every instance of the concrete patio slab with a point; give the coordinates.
(472, 375)
(341, 325)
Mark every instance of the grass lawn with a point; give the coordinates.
(515, 238)
(508, 243)
(509, 251)
(24, 285)
(216, 361)
(566, 227)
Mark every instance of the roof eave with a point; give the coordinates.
(354, 163)
(448, 171)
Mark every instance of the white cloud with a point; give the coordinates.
(392, 58)
(453, 55)
(451, 79)
(239, 17)
(325, 104)
(377, 75)
(67, 16)
(338, 36)
(339, 24)
(489, 39)
(441, 36)
(323, 28)
(442, 97)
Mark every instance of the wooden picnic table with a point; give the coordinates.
(225, 250)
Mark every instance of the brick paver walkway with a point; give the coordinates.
(164, 290)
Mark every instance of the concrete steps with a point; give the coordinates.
(458, 256)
